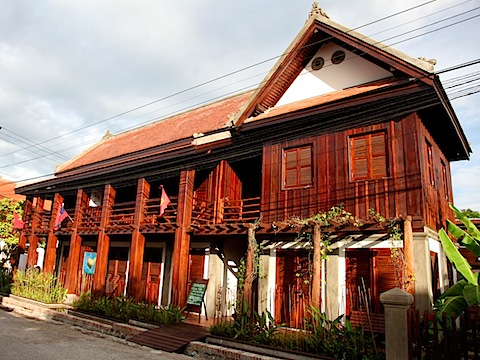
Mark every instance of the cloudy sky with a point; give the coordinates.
(71, 70)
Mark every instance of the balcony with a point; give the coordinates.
(225, 213)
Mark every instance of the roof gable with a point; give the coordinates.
(319, 36)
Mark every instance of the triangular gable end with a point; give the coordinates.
(327, 57)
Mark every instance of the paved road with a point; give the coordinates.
(27, 339)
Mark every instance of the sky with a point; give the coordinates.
(72, 70)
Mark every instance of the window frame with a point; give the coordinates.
(299, 167)
(429, 163)
(446, 190)
(368, 157)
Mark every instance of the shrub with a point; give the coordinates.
(323, 337)
(6, 279)
(38, 286)
(124, 308)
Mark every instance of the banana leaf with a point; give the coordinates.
(471, 295)
(461, 264)
(455, 290)
(451, 305)
(470, 243)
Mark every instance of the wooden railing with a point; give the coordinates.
(122, 214)
(243, 210)
(151, 212)
(91, 217)
(203, 212)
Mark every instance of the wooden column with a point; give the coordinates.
(75, 243)
(22, 240)
(250, 269)
(103, 244)
(135, 288)
(317, 267)
(51, 249)
(33, 239)
(408, 254)
(181, 247)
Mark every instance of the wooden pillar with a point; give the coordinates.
(103, 244)
(408, 254)
(33, 239)
(250, 269)
(135, 288)
(22, 240)
(317, 267)
(181, 247)
(51, 250)
(75, 243)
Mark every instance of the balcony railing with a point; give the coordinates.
(151, 212)
(91, 217)
(122, 215)
(243, 210)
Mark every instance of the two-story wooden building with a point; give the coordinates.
(340, 119)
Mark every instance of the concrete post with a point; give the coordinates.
(396, 302)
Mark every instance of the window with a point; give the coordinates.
(368, 156)
(446, 193)
(430, 173)
(297, 167)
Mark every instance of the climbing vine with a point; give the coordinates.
(402, 280)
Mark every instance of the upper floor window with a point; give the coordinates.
(430, 172)
(446, 192)
(368, 156)
(297, 167)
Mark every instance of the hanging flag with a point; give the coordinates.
(61, 215)
(164, 201)
(17, 223)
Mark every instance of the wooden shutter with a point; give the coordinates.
(297, 167)
(368, 156)
(379, 155)
(359, 154)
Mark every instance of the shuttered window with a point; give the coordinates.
(297, 167)
(446, 192)
(431, 174)
(368, 156)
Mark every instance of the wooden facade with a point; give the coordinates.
(233, 168)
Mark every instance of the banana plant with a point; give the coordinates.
(465, 292)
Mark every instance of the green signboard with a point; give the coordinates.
(197, 292)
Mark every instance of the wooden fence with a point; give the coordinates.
(439, 337)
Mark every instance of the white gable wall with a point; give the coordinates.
(353, 71)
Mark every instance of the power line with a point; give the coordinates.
(215, 79)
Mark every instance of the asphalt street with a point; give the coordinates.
(28, 339)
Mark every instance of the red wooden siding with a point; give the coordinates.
(397, 164)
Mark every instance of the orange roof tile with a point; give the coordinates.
(205, 119)
(7, 190)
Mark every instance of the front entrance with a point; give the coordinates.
(152, 273)
(293, 279)
(117, 271)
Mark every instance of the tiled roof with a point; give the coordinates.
(7, 190)
(205, 119)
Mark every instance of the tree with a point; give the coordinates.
(465, 292)
(7, 233)
(471, 214)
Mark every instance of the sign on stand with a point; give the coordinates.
(196, 297)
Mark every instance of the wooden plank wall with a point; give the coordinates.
(401, 193)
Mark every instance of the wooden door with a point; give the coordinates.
(293, 280)
(84, 281)
(152, 274)
(116, 271)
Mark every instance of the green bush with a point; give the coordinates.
(6, 279)
(322, 336)
(123, 308)
(39, 286)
